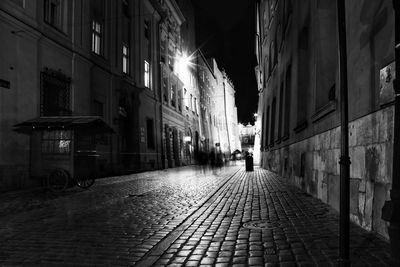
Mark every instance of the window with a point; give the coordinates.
(270, 59)
(273, 115)
(288, 85)
(99, 108)
(147, 35)
(125, 8)
(97, 30)
(304, 70)
(53, 13)
(195, 105)
(165, 89)
(173, 94)
(276, 48)
(171, 59)
(146, 74)
(267, 124)
(147, 30)
(150, 133)
(125, 59)
(280, 112)
(191, 102)
(180, 100)
(54, 94)
(262, 130)
(57, 142)
(186, 98)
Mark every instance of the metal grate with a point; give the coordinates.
(261, 224)
(55, 93)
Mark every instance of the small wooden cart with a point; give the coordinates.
(63, 149)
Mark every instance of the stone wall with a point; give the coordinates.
(313, 165)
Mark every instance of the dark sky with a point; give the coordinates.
(225, 30)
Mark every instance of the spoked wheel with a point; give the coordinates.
(85, 181)
(58, 180)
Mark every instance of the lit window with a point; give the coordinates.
(96, 37)
(125, 59)
(146, 74)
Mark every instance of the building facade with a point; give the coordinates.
(86, 58)
(181, 134)
(207, 104)
(231, 119)
(298, 112)
(130, 62)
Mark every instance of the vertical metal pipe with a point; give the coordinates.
(344, 259)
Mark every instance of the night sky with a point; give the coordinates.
(225, 30)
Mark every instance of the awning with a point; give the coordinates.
(93, 124)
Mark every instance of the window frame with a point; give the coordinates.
(97, 37)
(147, 81)
(54, 19)
(125, 59)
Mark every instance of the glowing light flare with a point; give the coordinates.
(183, 63)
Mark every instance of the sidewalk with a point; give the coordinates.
(257, 220)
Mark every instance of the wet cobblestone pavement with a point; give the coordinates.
(182, 217)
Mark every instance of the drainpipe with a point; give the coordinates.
(344, 226)
(391, 208)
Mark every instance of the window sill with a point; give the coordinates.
(300, 126)
(324, 111)
(56, 28)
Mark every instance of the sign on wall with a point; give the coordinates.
(386, 77)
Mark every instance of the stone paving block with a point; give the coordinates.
(208, 260)
(239, 260)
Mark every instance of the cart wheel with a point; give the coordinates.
(58, 180)
(85, 181)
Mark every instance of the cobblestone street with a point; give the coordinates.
(180, 217)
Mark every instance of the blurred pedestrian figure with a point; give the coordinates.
(220, 159)
(212, 158)
(249, 162)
